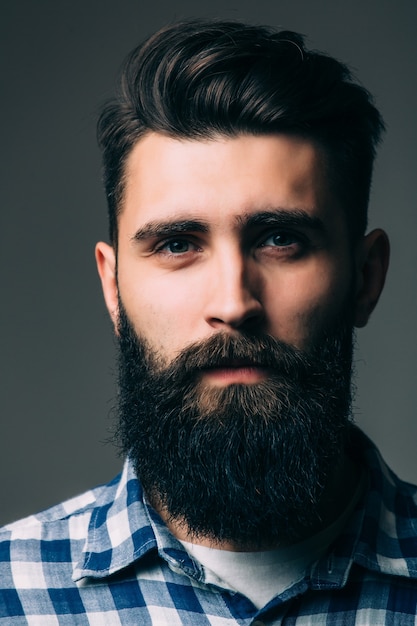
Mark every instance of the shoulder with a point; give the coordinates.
(38, 554)
(64, 522)
(77, 505)
(388, 537)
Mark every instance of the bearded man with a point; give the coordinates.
(237, 169)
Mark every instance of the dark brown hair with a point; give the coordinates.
(201, 78)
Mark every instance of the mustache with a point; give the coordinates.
(225, 350)
(295, 365)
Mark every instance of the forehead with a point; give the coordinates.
(220, 179)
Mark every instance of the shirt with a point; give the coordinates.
(106, 558)
(262, 575)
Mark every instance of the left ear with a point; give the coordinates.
(106, 265)
(372, 266)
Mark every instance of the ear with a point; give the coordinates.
(372, 266)
(106, 265)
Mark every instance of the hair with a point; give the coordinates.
(201, 78)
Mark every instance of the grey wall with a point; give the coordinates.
(59, 60)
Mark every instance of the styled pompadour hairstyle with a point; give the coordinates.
(203, 78)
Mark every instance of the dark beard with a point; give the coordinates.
(241, 463)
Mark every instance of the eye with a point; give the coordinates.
(175, 247)
(281, 239)
(284, 245)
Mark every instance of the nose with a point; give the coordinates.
(233, 293)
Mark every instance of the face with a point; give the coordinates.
(228, 235)
(233, 297)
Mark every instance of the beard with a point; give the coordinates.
(242, 463)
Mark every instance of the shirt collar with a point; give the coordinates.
(123, 528)
(119, 531)
(381, 535)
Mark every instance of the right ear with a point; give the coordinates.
(106, 266)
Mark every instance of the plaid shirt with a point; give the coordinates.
(106, 558)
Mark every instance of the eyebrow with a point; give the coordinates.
(279, 217)
(284, 218)
(154, 229)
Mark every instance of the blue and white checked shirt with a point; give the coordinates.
(106, 559)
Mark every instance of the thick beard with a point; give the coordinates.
(243, 463)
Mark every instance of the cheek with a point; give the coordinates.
(302, 306)
(162, 311)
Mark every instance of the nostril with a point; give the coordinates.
(248, 317)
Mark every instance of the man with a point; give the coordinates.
(237, 170)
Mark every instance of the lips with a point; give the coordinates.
(233, 364)
(235, 371)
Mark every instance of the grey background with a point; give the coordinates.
(59, 60)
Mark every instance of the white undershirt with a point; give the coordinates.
(262, 575)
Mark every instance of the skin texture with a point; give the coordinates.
(231, 235)
(233, 276)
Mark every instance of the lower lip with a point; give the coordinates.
(235, 375)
